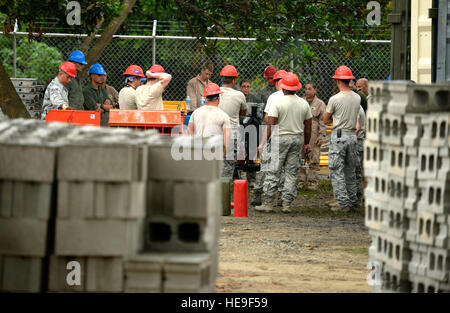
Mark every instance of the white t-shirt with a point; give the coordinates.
(291, 112)
(232, 102)
(344, 107)
(209, 120)
(150, 97)
(127, 98)
(273, 98)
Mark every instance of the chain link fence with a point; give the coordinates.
(183, 57)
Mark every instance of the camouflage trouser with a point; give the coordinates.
(289, 160)
(342, 161)
(359, 167)
(261, 175)
(229, 165)
(314, 166)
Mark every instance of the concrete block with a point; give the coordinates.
(428, 163)
(188, 272)
(438, 261)
(374, 131)
(394, 129)
(435, 130)
(374, 214)
(21, 274)
(197, 200)
(144, 273)
(27, 163)
(393, 251)
(6, 198)
(162, 165)
(398, 97)
(373, 158)
(32, 200)
(421, 284)
(160, 197)
(24, 237)
(414, 129)
(424, 98)
(417, 265)
(106, 163)
(426, 227)
(394, 280)
(435, 196)
(75, 200)
(104, 274)
(58, 273)
(97, 237)
(397, 160)
(380, 96)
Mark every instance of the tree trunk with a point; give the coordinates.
(10, 102)
(87, 42)
(107, 34)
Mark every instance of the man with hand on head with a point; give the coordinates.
(149, 96)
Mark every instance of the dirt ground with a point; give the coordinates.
(309, 250)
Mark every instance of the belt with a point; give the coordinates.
(348, 132)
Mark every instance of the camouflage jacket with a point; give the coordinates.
(318, 127)
(54, 97)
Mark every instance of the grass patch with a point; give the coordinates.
(325, 185)
(360, 250)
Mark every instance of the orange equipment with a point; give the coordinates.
(174, 105)
(74, 117)
(163, 121)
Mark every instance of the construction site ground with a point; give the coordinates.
(309, 250)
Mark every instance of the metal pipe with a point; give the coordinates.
(154, 42)
(15, 51)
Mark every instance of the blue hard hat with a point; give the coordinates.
(97, 68)
(77, 56)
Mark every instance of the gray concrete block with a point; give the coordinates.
(27, 163)
(394, 129)
(380, 96)
(75, 200)
(398, 97)
(160, 197)
(163, 166)
(21, 274)
(22, 236)
(58, 274)
(104, 274)
(196, 200)
(144, 273)
(374, 131)
(6, 198)
(374, 212)
(424, 98)
(188, 272)
(97, 237)
(107, 163)
(31, 200)
(435, 129)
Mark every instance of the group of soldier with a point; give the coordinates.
(300, 123)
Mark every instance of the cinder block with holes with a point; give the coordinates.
(166, 234)
(423, 284)
(425, 98)
(435, 196)
(374, 158)
(144, 273)
(59, 273)
(393, 251)
(159, 197)
(438, 264)
(21, 274)
(418, 264)
(97, 237)
(380, 96)
(427, 227)
(394, 280)
(104, 274)
(398, 97)
(428, 160)
(374, 213)
(105, 163)
(374, 126)
(27, 163)
(188, 272)
(414, 129)
(435, 129)
(397, 191)
(412, 232)
(23, 236)
(394, 129)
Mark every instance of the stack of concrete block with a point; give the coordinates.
(113, 201)
(183, 211)
(407, 165)
(31, 94)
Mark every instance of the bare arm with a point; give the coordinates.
(163, 77)
(307, 132)
(358, 127)
(191, 128)
(268, 132)
(226, 138)
(327, 118)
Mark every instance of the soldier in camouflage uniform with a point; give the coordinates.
(76, 97)
(56, 94)
(343, 108)
(361, 136)
(318, 134)
(293, 116)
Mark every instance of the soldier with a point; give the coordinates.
(112, 93)
(76, 97)
(343, 109)
(293, 116)
(260, 176)
(127, 95)
(362, 84)
(95, 96)
(245, 86)
(56, 95)
(360, 93)
(361, 136)
(318, 134)
(269, 88)
(149, 96)
(197, 84)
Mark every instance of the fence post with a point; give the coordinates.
(14, 51)
(154, 42)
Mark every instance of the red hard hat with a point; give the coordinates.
(290, 82)
(211, 89)
(229, 71)
(343, 72)
(156, 68)
(278, 75)
(269, 71)
(69, 68)
(134, 70)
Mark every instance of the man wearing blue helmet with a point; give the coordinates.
(95, 96)
(76, 98)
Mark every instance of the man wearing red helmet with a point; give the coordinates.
(343, 109)
(234, 104)
(269, 88)
(292, 115)
(149, 96)
(56, 95)
(209, 120)
(197, 84)
(127, 95)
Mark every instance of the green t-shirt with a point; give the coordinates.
(93, 96)
(76, 97)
